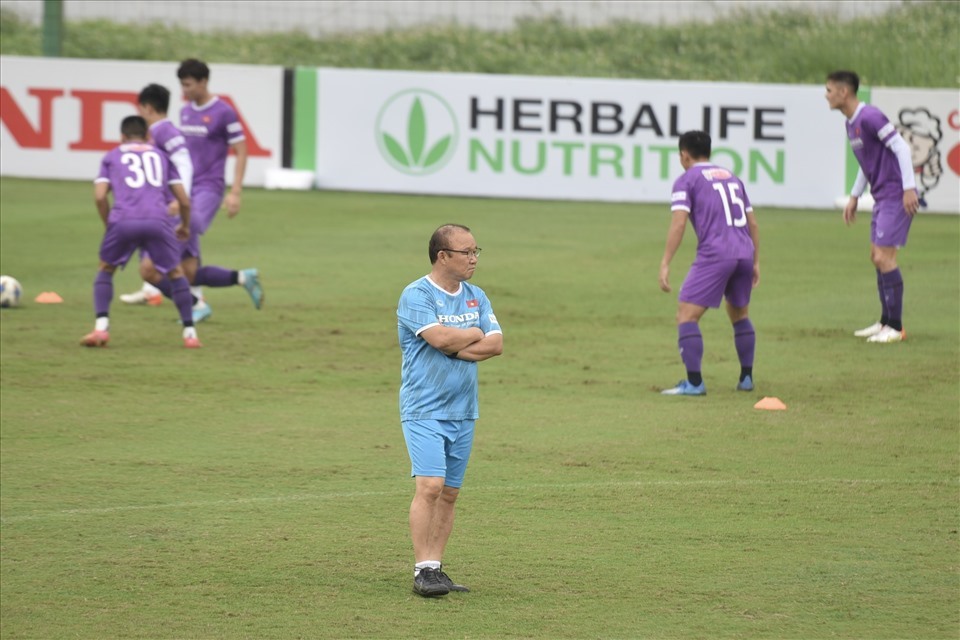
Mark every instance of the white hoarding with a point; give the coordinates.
(570, 138)
(60, 115)
(929, 120)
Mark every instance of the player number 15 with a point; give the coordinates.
(722, 189)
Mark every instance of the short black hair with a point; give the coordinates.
(438, 241)
(848, 78)
(155, 95)
(134, 127)
(193, 68)
(696, 143)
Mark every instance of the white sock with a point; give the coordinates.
(189, 332)
(426, 564)
(151, 290)
(197, 292)
(241, 279)
(102, 324)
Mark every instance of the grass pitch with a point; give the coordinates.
(258, 488)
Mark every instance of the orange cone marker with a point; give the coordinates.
(771, 404)
(48, 297)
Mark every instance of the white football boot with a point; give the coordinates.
(867, 332)
(148, 294)
(888, 334)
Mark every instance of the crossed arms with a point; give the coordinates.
(469, 344)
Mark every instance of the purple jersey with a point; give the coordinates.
(718, 206)
(167, 137)
(210, 130)
(138, 174)
(170, 141)
(869, 132)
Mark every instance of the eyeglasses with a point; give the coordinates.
(466, 252)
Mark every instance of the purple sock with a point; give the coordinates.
(884, 311)
(102, 293)
(164, 286)
(690, 343)
(215, 277)
(180, 290)
(893, 297)
(745, 340)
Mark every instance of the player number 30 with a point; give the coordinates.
(146, 168)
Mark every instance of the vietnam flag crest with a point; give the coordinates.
(472, 304)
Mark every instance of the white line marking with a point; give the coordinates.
(339, 495)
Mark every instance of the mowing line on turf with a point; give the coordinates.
(67, 513)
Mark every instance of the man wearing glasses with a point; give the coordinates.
(446, 326)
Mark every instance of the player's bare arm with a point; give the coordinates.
(232, 201)
(100, 191)
(859, 186)
(674, 237)
(183, 209)
(850, 211)
(911, 203)
(491, 346)
(755, 237)
(450, 340)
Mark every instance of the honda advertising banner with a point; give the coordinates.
(60, 115)
(570, 138)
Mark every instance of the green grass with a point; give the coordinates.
(258, 488)
(913, 45)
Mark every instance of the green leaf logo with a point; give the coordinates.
(416, 132)
(396, 150)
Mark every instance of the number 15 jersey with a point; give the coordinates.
(718, 206)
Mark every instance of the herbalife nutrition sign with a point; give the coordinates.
(565, 138)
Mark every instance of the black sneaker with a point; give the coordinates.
(427, 583)
(450, 584)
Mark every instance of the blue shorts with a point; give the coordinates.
(439, 448)
(708, 283)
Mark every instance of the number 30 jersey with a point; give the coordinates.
(138, 174)
(718, 206)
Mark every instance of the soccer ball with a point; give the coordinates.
(10, 292)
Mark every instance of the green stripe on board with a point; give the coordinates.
(863, 95)
(305, 118)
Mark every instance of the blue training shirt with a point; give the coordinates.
(434, 386)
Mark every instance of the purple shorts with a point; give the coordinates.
(708, 283)
(890, 224)
(151, 235)
(203, 208)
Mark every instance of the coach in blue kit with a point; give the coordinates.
(446, 326)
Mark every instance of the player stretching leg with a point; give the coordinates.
(211, 129)
(727, 263)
